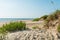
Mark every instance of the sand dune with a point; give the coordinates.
(31, 35)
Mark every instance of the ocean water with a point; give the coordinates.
(14, 19)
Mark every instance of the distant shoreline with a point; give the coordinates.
(29, 23)
(14, 19)
(8, 20)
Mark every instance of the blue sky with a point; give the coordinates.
(27, 8)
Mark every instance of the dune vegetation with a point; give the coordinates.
(36, 19)
(43, 17)
(13, 26)
(58, 28)
(52, 17)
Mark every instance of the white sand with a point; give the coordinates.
(29, 23)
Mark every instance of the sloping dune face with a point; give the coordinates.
(31, 35)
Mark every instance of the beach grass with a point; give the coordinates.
(58, 28)
(13, 26)
(36, 19)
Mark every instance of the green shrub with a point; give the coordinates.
(58, 28)
(34, 27)
(36, 19)
(13, 26)
(2, 30)
(44, 17)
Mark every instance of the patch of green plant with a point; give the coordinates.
(58, 28)
(36, 27)
(2, 30)
(33, 27)
(44, 17)
(13, 26)
(36, 19)
(2, 33)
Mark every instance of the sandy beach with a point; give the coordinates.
(29, 23)
(32, 34)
